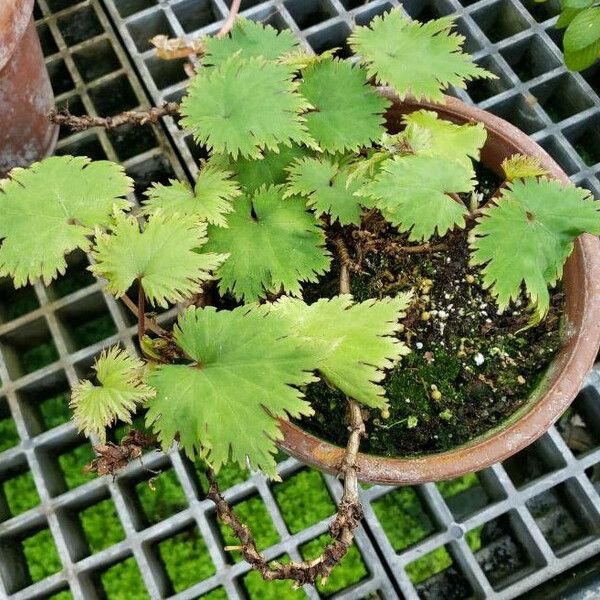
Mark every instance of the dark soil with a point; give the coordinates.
(470, 368)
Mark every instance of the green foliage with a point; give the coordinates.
(209, 200)
(244, 364)
(415, 59)
(250, 39)
(348, 112)
(582, 38)
(269, 169)
(245, 105)
(519, 166)
(274, 244)
(121, 390)
(51, 209)
(412, 193)
(162, 257)
(328, 190)
(527, 235)
(357, 340)
(428, 135)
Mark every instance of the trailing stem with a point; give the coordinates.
(343, 526)
(142, 117)
(150, 324)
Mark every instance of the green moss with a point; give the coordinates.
(259, 589)
(72, 464)
(41, 555)
(39, 356)
(55, 411)
(62, 596)
(429, 565)
(166, 499)
(93, 331)
(217, 594)
(473, 538)
(186, 559)
(20, 493)
(303, 500)
(9, 436)
(403, 518)
(124, 582)
(101, 526)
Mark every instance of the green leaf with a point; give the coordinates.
(576, 3)
(121, 390)
(326, 185)
(51, 209)
(416, 59)
(243, 106)
(274, 244)
(429, 135)
(250, 39)
(209, 201)
(520, 166)
(527, 235)
(162, 257)
(412, 193)
(357, 340)
(270, 169)
(348, 112)
(224, 405)
(582, 40)
(566, 16)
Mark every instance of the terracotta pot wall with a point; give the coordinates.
(565, 375)
(26, 95)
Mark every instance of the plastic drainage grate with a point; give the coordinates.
(495, 534)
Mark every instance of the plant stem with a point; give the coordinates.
(150, 323)
(233, 11)
(142, 117)
(141, 308)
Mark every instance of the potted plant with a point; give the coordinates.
(25, 92)
(474, 318)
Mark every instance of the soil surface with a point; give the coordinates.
(470, 367)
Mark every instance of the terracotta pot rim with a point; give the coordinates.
(565, 374)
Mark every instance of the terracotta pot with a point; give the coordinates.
(564, 377)
(26, 95)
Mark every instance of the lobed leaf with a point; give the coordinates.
(244, 375)
(527, 235)
(357, 340)
(275, 244)
(326, 185)
(122, 388)
(520, 166)
(412, 193)
(244, 106)
(348, 112)
(51, 209)
(249, 39)
(209, 200)
(428, 135)
(163, 257)
(415, 59)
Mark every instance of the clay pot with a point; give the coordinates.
(26, 95)
(564, 377)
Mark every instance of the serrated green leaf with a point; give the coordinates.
(275, 244)
(224, 406)
(348, 112)
(163, 257)
(245, 105)
(209, 201)
(520, 166)
(581, 41)
(357, 340)
(527, 235)
(122, 388)
(428, 135)
(412, 193)
(271, 169)
(249, 39)
(416, 59)
(51, 209)
(325, 184)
